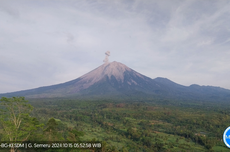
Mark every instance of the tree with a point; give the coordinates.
(15, 120)
(51, 125)
(51, 131)
(74, 135)
(147, 141)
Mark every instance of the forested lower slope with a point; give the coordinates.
(133, 126)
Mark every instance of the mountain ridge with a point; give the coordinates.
(115, 79)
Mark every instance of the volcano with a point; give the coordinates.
(115, 80)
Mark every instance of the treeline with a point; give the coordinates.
(136, 126)
(21, 122)
(17, 125)
(187, 124)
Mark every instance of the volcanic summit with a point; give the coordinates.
(116, 80)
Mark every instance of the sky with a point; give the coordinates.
(50, 42)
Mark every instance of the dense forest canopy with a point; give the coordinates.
(117, 125)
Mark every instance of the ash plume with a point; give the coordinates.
(107, 54)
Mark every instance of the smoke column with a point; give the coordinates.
(107, 54)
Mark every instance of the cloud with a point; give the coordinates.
(54, 42)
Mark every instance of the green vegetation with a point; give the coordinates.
(16, 124)
(121, 126)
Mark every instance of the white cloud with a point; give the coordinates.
(57, 41)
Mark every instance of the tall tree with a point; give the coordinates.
(51, 131)
(15, 119)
